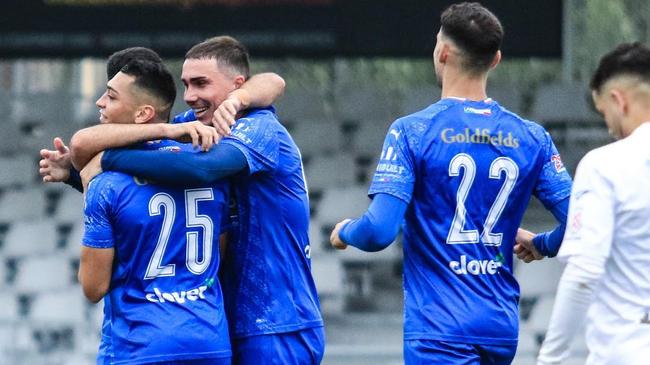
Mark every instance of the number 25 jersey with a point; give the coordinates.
(467, 169)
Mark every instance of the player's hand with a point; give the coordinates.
(226, 114)
(92, 169)
(335, 240)
(55, 165)
(524, 247)
(197, 133)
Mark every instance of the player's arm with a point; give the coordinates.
(88, 142)
(548, 243)
(95, 269)
(260, 90)
(177, 168)
(56, 166)
(97, 246)
(376, 229)
(587, 245)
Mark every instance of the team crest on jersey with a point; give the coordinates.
(557, 162)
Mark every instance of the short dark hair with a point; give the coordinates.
(225, 50)
(626, 59)
(476, 31)
(121, 58)
(154, 78)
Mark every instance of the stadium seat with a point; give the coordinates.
(67, 307)
(44, 274)
(73, 242)
(300, 105)
(563, 103)
(317, 137)
(539, 278)
(363, 103)
(10, 308)
(333, 170)
(418, 98)
(18, 171)
(21, 205)
(328, 275)
(30, 238)
(540, 317)
(70, 207)
(369, 137)
(339, 203)
(509, 96)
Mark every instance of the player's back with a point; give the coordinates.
(268, 286)
(475, 166)
(165, 301)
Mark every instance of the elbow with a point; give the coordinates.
(79, 149)
(94, 293)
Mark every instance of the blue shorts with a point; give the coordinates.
(418, 352)
(304, 347)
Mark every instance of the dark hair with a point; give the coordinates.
(626, 59)
(121, 58)
(225, 50)
(154, 78)
(476, 31)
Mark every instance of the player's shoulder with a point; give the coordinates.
(605, 158)
(419, 120)
(107, 185)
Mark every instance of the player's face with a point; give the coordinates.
(610, 110)
(117, 104)
(206, 87)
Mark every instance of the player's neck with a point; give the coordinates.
(461, 85)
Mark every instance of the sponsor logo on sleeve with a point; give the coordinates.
(557, 162)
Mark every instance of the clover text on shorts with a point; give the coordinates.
(177, 297)
(474, 267)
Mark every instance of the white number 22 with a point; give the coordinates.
(193, 219)
(459, 235)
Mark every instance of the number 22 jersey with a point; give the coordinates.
(467, 169)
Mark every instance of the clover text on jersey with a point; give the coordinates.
(481, 136)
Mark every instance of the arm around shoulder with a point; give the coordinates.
(261, 90)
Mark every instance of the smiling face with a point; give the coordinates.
(118, 103)
(206, 86)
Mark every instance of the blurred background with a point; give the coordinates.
(351, 68)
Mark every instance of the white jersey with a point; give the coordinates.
(609, 221)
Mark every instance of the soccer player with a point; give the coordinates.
(607, 244)
(148, 250)
(260, 90)
(271, 299)
(460, 174)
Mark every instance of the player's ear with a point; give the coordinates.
(239, 81)
(619, 98)
(144, 114)
(496, 60)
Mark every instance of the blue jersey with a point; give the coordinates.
(467, 170)
(165, 302)
(267, 279)
(184, 117)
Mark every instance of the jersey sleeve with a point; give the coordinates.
(395, 173)
(591, 217)
(98, 230)
(554, 182)
(255, 136)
